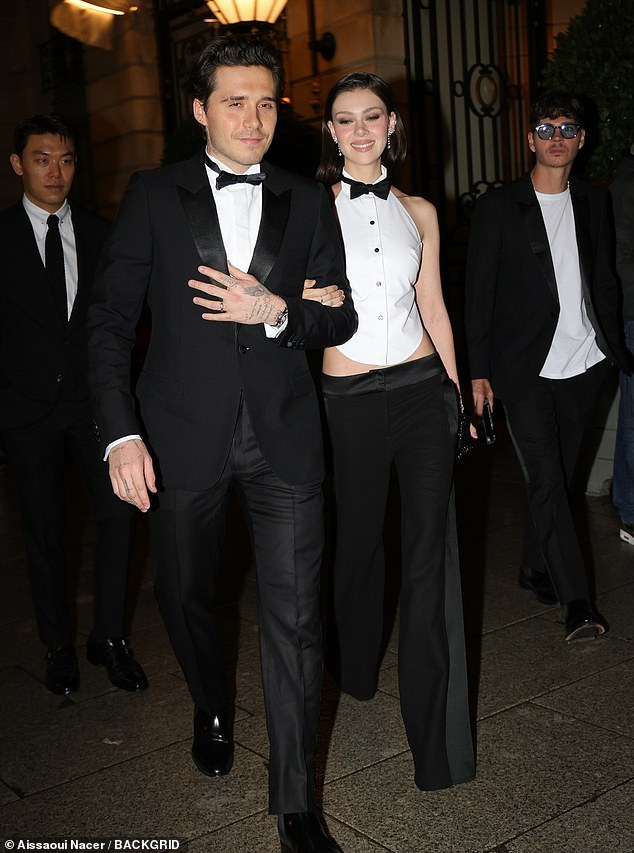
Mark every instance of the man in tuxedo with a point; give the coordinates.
(221, 246)
(543, 326)
(49, 250)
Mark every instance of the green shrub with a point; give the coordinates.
(595, 58)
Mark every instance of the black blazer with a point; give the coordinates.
(42, 354)
(511, 307)
(196, 371)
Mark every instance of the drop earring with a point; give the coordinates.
(336, 141)
(389, 141)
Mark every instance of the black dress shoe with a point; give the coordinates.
(540, 584)
(123, 670)
(62, 672)
(583, 622)
(305, 832)
(212, 749)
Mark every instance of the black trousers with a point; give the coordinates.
(548, 428)
(38, 459)
(404, 416)
(286, 527)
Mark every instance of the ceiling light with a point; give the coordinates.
(246, 11)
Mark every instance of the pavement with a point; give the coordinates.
(554, 723)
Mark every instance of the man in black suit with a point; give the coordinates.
(543, 327)
(49, 251)
(226, 399)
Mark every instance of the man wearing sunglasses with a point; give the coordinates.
(543, 328)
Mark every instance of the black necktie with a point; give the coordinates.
(381, 189)
(54, 261)
(226, 178)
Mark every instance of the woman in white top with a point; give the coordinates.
(391, 396)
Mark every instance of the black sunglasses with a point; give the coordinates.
(547, 131)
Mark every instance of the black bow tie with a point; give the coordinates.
(224, 179)
(381, 189)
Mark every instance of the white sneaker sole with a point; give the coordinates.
(624, 536)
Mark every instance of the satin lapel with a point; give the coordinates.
(581, 210)
(201, 213)
(275, 211)
(584, 239)
(538, 239)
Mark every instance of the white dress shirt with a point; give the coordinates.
(239, 208)
(383, 255)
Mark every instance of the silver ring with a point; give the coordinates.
(221, 307)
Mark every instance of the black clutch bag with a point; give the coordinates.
(464, 442)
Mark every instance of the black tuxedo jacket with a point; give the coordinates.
(196, 371)
(42, 354)
(512, 307)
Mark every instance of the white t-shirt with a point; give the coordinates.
(574, 346)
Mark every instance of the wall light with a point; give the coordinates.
(90, 21)
(325, 46)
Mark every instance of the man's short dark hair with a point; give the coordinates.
(555, 104)
(40, 124)
(233, 51)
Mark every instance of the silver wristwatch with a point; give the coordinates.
(281, 317)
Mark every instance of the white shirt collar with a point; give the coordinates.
(250, 171)
(42, 215)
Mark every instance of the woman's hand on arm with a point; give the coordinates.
(331, 295)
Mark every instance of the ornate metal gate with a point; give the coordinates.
(472, 68)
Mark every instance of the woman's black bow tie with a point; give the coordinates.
(226, 178)
(381, 189)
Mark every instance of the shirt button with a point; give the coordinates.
(372, 222)
(243, 349)
(379, 283)
(380, 316)
(59, 377)
(376, 250)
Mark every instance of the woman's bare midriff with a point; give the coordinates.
(335, 363)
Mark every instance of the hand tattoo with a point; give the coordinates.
(256, 290)
(262, 309)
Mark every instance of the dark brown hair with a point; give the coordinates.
(331, 164)
(555, 104)
(233, 51)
